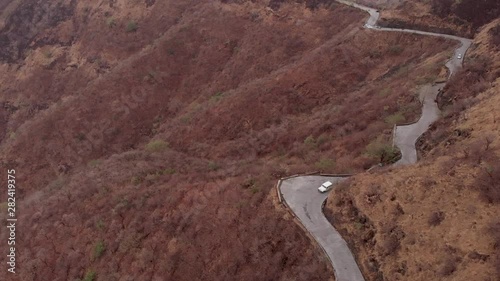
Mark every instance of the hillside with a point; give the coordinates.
(147, 136)
(463, 18)
(439, 218)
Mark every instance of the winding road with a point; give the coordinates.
(301, 194)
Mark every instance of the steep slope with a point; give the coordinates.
(147, 136)
(439, 218)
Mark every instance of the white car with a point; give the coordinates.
(327, 185)
(459, 56)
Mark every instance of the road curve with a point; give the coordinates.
(304, 199)
(406, 136)
(301, 194)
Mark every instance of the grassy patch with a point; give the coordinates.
(254, 190)
(57, 184)
(325, 164)
(396, 118)
(156, 146)
(90, 276)
(310, 142)
(99, 224)
(99, 249)
(136, 180)
(132, 26)
(217, 97)
(213, 166)
(110, 22)
(395, 49)
(385, 92)
(80, 136)
(426, 79)
(94, 163)
(382, 151)
(169, 171)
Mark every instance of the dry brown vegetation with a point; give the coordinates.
(462, 18)
(439, 218)
(148, 137)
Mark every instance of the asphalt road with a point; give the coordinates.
(304, 199)
(301, 193)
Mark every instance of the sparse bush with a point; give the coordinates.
(488, 183)
(382, 151)
(135, 180)
(111, 22)
(151, 178)
(89, 276)
(310, 142)
(374, 54)
(132, 26)
(385, 92)
(323, 138)
(449, 266)
(94, 163)
(436, 218)
(325, 164)
(217, 97)
(495, 35)
(395, 49)
(249, 183)
(156, 146)
(80, 136)
(169, 171)
(47, 54)
(99, 224)
(477, 256)
(390, 245)
(99, 249)
(396, 118)
(254, 189)
(213, 166)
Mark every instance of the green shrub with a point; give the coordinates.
(385, 92)
(325, 164)
(132, 26)
(99, 224)
(111, 22)
(99, 249)
(395, 49)
(374, 54)
(213, 166)
(47, 54)
(310, 142)
(156, 146)
(254, 190)
(382, 151)
(396, 118)
(217, 97)
(89, 276)
(323, 138)
(169, 171)
(80, 136)
(135, 180)
(94, 163)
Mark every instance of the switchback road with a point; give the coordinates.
(301, 193)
